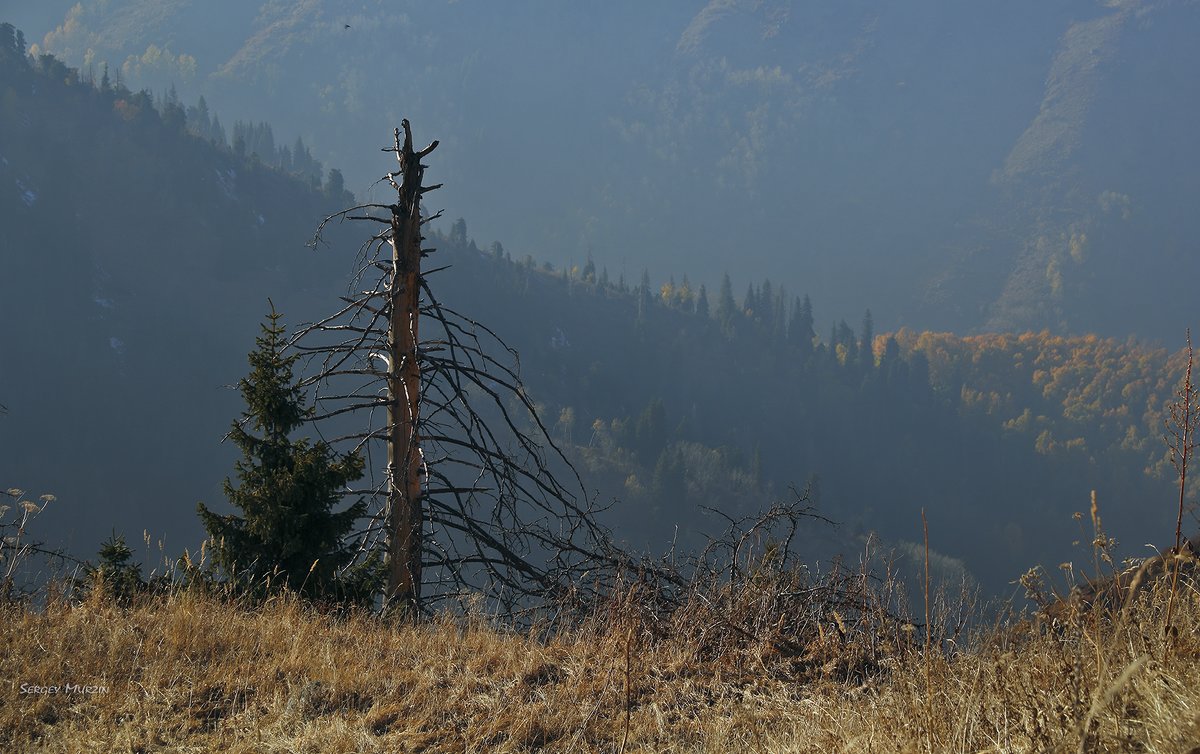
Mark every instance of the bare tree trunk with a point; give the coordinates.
(404, 382)
(470, 502)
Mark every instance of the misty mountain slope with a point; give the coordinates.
(138, 260)
(931, 159)
(1075, 75)
(1098, 179)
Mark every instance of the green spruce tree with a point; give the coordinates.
(800, 330)
(290, 533)
(866, 346)
(120, 578)
(726, 307)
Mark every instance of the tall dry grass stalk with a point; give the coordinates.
(928, 629)
(1181, 426)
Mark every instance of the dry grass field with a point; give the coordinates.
(191, 672)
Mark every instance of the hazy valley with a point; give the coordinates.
(914, 264)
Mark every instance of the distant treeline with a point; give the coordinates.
(672, 399)
(254, 140)
(258, 140)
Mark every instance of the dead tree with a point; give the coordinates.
(404, 376)
(476, 498)
(472, 499)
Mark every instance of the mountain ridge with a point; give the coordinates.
(838, 138)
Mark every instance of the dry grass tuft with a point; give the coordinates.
(189, 672)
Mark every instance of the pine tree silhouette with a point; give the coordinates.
(290, 533)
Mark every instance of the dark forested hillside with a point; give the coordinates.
(955, 166)
(134, 259)
(137, 259)
(1000, 438)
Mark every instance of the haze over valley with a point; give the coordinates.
(946, 251)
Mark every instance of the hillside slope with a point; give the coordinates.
(956, 167)
(138, 260)
(284, 677)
